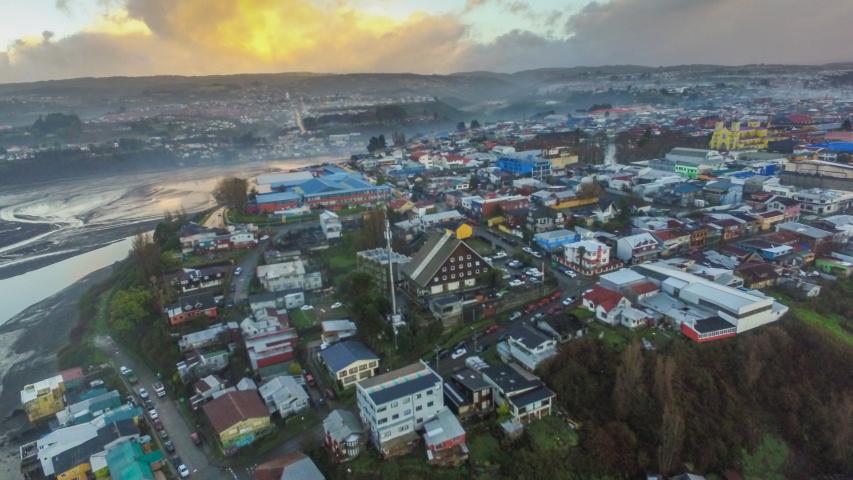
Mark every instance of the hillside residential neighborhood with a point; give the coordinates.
(408, 303)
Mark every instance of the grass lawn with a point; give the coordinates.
(833, 324)
(302, 319)
(582, 313)
(485, 450)
(193, 260)
(552, 435)
(236, 217)
(609, 335)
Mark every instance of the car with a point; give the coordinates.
(459, 353)
(526, 249)
(145, 439)
(96, 383)
(536, 254)
(183, 471)
(153, 414)
(158, 424)
(336, 305)
(169, 446)
(238, 271)
(533, 272)
(442, 353)
(568, 301)
(538, 316)
(159, 389)
(305, 308)
(310, 380)
(515, 316)
(143, 394)
(196, 438)
(555, 310)
(265, 237)
(516, 283)
(499, 254)
(495, 327)
(164, 435)
(514, 264)
(123, 370)
(482, 347)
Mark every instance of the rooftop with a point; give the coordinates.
(234, 407)
(343, 354)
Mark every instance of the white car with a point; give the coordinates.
(238, 271)
(536, 254)
(183, 471)
(143, 394)
(153, 414)
(533, 272)
(336, 305)
(123, 370)
(514, 264)
(515, 316)
(459, 353)
(568, 301)
(305, 308)
(516, 283)
(265, 237)
(500, 254)
(572, 274)
(527, 250)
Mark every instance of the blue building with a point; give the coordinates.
(529, 162)
(555, 239)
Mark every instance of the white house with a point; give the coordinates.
(330, 223)
(284, 395)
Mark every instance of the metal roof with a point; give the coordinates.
(406, 388)
(343, 354)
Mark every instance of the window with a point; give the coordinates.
(444, 277)
(452, 268)
(418, 396)
(382, 421)
(381, 409)
(406, 400)
(429, 404)
(363, 366)
(444, 269)
(393, 404)
(469, 256)
(395, 416)
(386, 434)
(419, 408)
(460, 258)
(469, 264)
(452, 276)
(404, 428)
(407, 412)
(429, 392)
(477, 263)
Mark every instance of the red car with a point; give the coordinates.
(556, 295)
(158, 424)
(310, 379)
(554, 310)
(195, 438)
(492, 328)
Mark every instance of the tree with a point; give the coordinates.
(846, 125)
(147, 256)
(128, 308)
(232, 192)
(399, 139)
(589, 190)
(671, 437)
(376, 144)
(460, 127)
(628, 379)
(475, 124)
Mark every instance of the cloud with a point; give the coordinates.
(198, 37)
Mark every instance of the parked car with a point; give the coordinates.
(159, 389)
(152, 414)
(515, 316)
(336, 305)
(527, 250)
(516, 283)
(536, 254)
(183, 471)
(514, 264)
(500, 254)
(145, 439)
(143, 394)
(195, 438)
(495, 327)
(310, 380)
(96, 383)
(442, 353)
(459, 353)
(305, 308)
(158, 424)
(169, 446)
(123, 370)
(238, 271)
(568, 301)
(554, 310)
(265, 237)
(164, 435)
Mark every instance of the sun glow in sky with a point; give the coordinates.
(45, 39)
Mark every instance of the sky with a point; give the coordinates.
(54, 39)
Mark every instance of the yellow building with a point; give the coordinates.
(80, 472)
(350, 362)
(461, 231)
(43, 399)
(238, 418)
(735, 136)
(560, 157)
(575, 202)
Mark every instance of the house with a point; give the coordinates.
(330, 224)
(127, 460)
(293, 466)
(489, 207)
(603, 303)
(89, 406)
(759, 274)
(192, 279)
(206, 389)
(334, 331)
(527, 345)
(444, 439)
(394, 405)
(238, 418)
(444, 264)
(199, 363)
(817, 240)
(555, 239)
(672, 240)
(344, 435)
(270, 343)
(349, 362)
(562, 328)
(467, 394)
(285, 276)
(188, 307)
(330, 188)
(527, 163)
(284, 395)
(219, 334)
(587, 256)
(526, 396)
(638, 248)
(43, 398)
(789, 207)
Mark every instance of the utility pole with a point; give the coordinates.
(395, 317)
